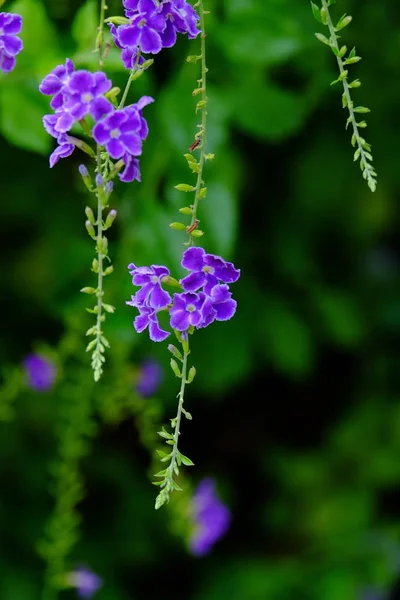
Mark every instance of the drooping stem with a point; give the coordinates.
(181, 397)
(362, 148)
(202, 106)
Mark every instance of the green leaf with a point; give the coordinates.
(186, 461)
(316, 12)
(21, 111)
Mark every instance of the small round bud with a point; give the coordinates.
(99, 180)
(83, 171)
(90, 215)
(109, 187)
(110, 218)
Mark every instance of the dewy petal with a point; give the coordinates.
(150, 41)
(225, 310)
(159, 298)
(193, 259)
(193, 282)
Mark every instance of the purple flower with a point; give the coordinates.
(85, 581)
(145, 28)
(149, 378)
(188, 309)
(53, 83)
(219, 305)
(182, 18)
(149, 279)
(207, 270)
(131, 171)
(83, 94)
(40, 372)
(10, 43)
(147, 317)
(211, 518)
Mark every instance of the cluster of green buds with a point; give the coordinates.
(345, 58)
(103, 192)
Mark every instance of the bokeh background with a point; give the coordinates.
(296, 409)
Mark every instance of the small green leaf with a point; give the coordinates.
(186, 461)
(316, 12)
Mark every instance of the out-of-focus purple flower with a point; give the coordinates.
(10, 43)
(187, 309)
(149, 378)
(150, 279)
(85, 581)
(40, 372)
(210, 516)
(207, 270)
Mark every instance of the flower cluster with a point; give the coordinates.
(153, 25)
(10, 43)
(205, 297)
(77, 94)
(210, 516)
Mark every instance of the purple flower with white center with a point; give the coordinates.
(147, 317)
(53, 83)
(149, 279)
(149, 378)
(83, 94)
(211, 518)
(40, 372)
(10, 43)
(207, 270)
(85, 581)
(145, 28)
(188, 309)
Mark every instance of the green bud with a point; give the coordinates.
(355, 84)
(147, 63)
(202, 193)
(186, 210)
(174, 350)
(192, 374)
(184, 187)
(95, 265)
(209, 156)
(117, 20)
(109, 308)
(90, 215)
(110, 218)
(197, 233)
(108, 271)
(192, 58)
(113, 94)
(88, 290)
(168, 280)
(175, 368)
(87, 180)
(178, 226)
(342, 51)
(361, 109)
(343, 22)
(102, 246)
(90, 230)
(322, 38)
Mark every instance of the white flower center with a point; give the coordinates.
(207, 269)
(115, 133)
(154, 279)
(190, 308)
(88, 97)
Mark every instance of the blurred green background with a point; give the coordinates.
(296, 408)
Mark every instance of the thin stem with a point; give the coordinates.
(178, 416)
(203, 130)
(368, 168)
(99, 38)
(129, 82)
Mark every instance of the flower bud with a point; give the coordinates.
(90, 215)
(87, 180)
(90, 230)
(110, 218)
(99, 181)
(178, 226)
